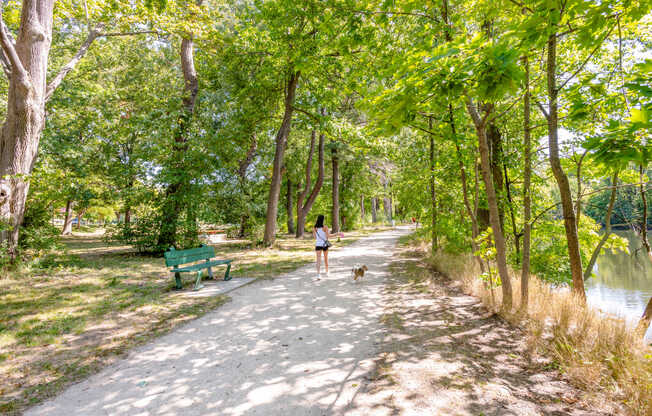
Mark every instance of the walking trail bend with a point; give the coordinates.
(293, 345)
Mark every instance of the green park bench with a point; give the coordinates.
(176, 258)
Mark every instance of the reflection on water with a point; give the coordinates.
(622, 284)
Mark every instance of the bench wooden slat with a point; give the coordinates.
(176, 257)
(199, 266)
(204, 249)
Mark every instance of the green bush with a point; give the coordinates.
(37, 234)
(549, 255)
(143, 233)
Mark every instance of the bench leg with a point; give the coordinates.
(228, 270)
(210, 273)
(177, 280)
(198, 284)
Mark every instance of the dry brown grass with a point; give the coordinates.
(597, 353)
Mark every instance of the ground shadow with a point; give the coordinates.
(444, 353)
(291, 346)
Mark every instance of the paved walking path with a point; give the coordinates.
(290, 346)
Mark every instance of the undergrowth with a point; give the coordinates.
(597, 353)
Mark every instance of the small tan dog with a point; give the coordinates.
(358, 271)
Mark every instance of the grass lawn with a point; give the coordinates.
(74, 312)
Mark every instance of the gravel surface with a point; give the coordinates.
(294, 345)
(399, 342)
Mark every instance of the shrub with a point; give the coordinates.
(143, 232)
(37, 234)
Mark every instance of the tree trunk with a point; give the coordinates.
(362, 213)
(175, 191)
(79, 216)
(25, 116)
(242, 181)
(470, 211)
(289, 206)
(643, 227)
(510, 206)
(130, 186)
(26, 62)
(374, 208)
(279, 153)
(570, 223)
(492, 201)
(67, 222)
(387, 208)
(433, 192)
(301, 218)
(495, 142)
(607, 229)
(527, 192)
(336, 190)
(644, 323)
(304, 209)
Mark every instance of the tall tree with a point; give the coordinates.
(335, 160)
(26, 66)
(527, 174)
(303, 208)
(177, 190)
(570, 222)
(290, 88)
(289, 206)
(433, 191)
(492, 200)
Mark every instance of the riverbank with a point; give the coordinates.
(621, 284)
(600, 356)
(444, 353)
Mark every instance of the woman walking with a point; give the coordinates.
(320, 232)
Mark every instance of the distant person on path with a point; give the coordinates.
(320, 232)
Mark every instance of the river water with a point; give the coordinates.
(622, 284)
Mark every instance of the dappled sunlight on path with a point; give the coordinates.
(293, 345)
(445, 354)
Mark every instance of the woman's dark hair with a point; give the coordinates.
(320, 221)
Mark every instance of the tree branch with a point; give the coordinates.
(605, 188)
(52, 85)
(509, 107)
(309, 114)
(588, 58)
(542, 108)
(83, 49)
(10, 51)
(607, 229)
(421, 128)
(391, 14)
(473, 112)
(137, 32)
(521, 5)
(6, 65)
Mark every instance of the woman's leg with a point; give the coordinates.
(318, 260)
(326, 260)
